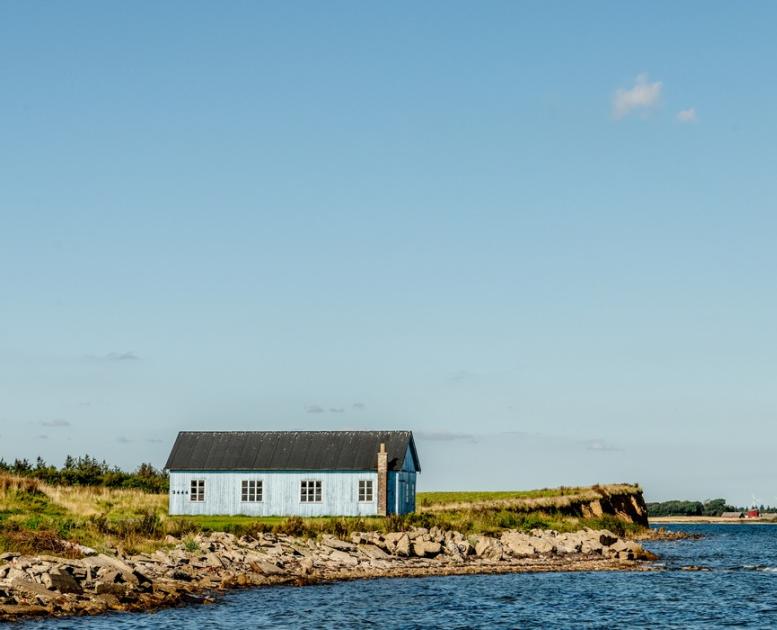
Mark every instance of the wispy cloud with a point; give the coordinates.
(114, 356)
(600, 445)
(55, 423)
(153, 440)
(122, 356)
(687, 115)
(461, 377)
(336, 410)
(123, 440)
(359, 405)
(643, 96)
(42, 436)
(541, 440)
(446, 436)
(315, 409)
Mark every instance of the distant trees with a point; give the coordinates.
(713, 507)
(88, 471)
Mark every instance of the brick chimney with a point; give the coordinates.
(382, 480)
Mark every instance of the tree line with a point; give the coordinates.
(88, 471)
(713, 507)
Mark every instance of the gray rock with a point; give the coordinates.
(101, 560)
(336, 543)
(606, 537)
(61, 581)
(343, 558)
(487, 547)
(426, 548)
(543, 546)
(374, 552)
(33, 588)
(518, 544)
(452, 550)
(267, 568)
(400, 545)
(110, 588)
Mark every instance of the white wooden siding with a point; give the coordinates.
(280, 493)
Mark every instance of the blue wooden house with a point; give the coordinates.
(302, 473)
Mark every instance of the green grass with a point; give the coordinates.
(446, 498)
(35, 518)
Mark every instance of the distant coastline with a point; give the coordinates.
(716, 520)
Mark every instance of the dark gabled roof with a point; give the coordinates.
(289, 450)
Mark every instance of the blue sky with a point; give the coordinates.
(539, 235)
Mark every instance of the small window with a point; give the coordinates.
(365, 490)
(310, 491)
(251, 491)
(197, 490)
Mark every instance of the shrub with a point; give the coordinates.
(292, 526)
(31, 542)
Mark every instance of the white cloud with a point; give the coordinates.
(55, 423)
(644, 95)
(687, 115)
(114, 356)
(445, 436)
(600, 445)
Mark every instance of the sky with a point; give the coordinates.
(540, 235)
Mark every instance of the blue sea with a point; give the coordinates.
(738, 587)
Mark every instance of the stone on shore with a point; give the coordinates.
(423, 548)
(100, 582)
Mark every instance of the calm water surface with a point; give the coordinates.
(740, 589)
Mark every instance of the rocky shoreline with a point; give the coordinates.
(196, 569)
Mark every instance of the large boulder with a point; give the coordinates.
(374, 552)
(518, 544)
(606, 537)
(569, 543)
(452, 550)
(336, 543)
(102, 561)
(629, 550)
(398, 543)
(543, 546)
(417, 532)
(61, 581)
(33, 589)
(426, 548)
(343, 558)
(487, 547)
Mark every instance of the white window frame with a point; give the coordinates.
(311, 491)
(251, 491)
(366, 490)
(197, 490)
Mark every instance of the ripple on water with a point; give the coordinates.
(739, 589)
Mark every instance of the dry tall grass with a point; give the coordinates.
(10, 483)
(547, 499)
(87, 500)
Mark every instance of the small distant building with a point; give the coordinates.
(753, 513)
(733, 515)
(293, 473)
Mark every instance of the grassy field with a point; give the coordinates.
(37, 518)
(428, 499)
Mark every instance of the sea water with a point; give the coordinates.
(736, 586)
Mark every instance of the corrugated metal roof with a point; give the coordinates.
(289, 450)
